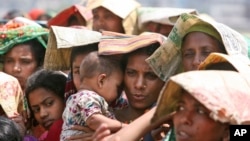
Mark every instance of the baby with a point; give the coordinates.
(101, 80)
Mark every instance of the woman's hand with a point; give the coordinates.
(104, 134)
(87, 136)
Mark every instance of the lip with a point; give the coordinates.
(182, 135)
(47, 123)
(138, 97)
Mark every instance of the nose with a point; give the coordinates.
(187, 118)
(17, 68)
(43, 113)
(100, 24)
(196, 62)
(140, 83)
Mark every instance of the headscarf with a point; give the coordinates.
(166, 60)
(61, 19)
(60, 43)
(166, 15)
(127, 10)
(11, 95)
(224, 93)
(116, 43)
(20, 30)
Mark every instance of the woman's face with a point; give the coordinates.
(20, 63)
(142, 86)
(192, 122)
(46, 106)
(75, 69)
(196, 47)
(104, 19)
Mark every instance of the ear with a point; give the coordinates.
(101, 79)
(226, 134)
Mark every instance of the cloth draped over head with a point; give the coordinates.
(127, 10)
(166, 15)
(224, 93)
(116, 43)
(166, 60)
(11, 95)
(20, 30)
(240, 62)
(61, 19)
(60, 43)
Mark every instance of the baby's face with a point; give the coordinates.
(112, 86)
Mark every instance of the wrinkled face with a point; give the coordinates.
(20, 63)
(75, 69)
(192, 122)
(196, 47)
(46, 106)
(104, 19)
(112, 86)
(142, 86)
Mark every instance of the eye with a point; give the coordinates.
(26, 61)
(49, 103)
(151, 76)
(188, 54)
(130, 73)
(8, 60)
(35, 110)
(202, 110)
(180, 108)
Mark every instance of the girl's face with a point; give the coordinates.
(142, 86)
(104, 19)
(46, 106)
(75, 69)
(196, 47)
(192, 122)
(20, 63)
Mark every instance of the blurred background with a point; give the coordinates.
(235, 13)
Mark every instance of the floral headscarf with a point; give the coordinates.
(20, 30)
(11, 95)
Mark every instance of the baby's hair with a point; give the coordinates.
(96, 64)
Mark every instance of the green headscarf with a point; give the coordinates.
(14, 33)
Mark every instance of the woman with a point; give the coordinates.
(115, 15)
(9, 130)
(46, 100)
(191, 41)
(160, 20)
(72, 16)
(23, 45)
(198, 112)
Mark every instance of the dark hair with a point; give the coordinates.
(9, 130)
(94, 63)
(79, 50)
(53, 81)
(148, 50)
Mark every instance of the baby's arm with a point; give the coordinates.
(95, 120)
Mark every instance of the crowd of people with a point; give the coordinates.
(113, 70)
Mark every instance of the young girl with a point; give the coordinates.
(101, 79)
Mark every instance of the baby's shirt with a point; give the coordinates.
(79, 107)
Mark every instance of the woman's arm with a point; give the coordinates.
(137, 129)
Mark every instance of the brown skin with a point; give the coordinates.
(103, 19)
(20, 63)
(163, 29)
(196, 47)
(46, 106)
(75, 69)
(142, 87)
(192, 122)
